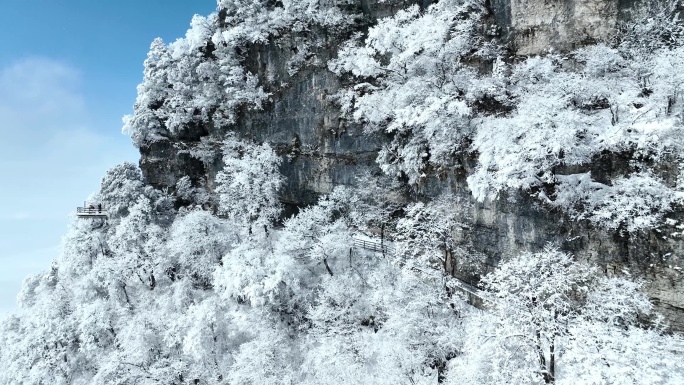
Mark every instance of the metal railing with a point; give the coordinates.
(374, 246)
(473, 293)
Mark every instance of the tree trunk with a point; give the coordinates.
(552, 353)
(552, 361)
(449, 263)
(153, 281)
(128, 300)
(540, 353)
(327, 267)
(382, 239)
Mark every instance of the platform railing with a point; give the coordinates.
(91, 211)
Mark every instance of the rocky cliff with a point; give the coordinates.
(322, 149)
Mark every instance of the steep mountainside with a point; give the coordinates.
(320, 180)
(300, 115)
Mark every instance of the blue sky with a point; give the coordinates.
(68, 73)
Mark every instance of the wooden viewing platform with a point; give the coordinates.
(91, 211)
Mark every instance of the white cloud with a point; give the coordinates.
(38, 95)
(50, 143)
(52, 156)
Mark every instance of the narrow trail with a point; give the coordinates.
(473, 294)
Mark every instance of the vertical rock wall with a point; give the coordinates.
(320, 150)
(542, 26)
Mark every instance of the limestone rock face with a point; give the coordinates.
(542, 26)
(321, 150)
(303, 124)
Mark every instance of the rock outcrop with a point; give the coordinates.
(322, 150)
(536, 27)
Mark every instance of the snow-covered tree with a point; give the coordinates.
(541, 125)
(436, 234)
(121, 185)
(535, 298)
(191, 86)
(556, 320)
(197, 243)
(249, 183)
(413, 84)
(197, 84)
(651, 25)
(569, 119)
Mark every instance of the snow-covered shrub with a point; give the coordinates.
(636, 202)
